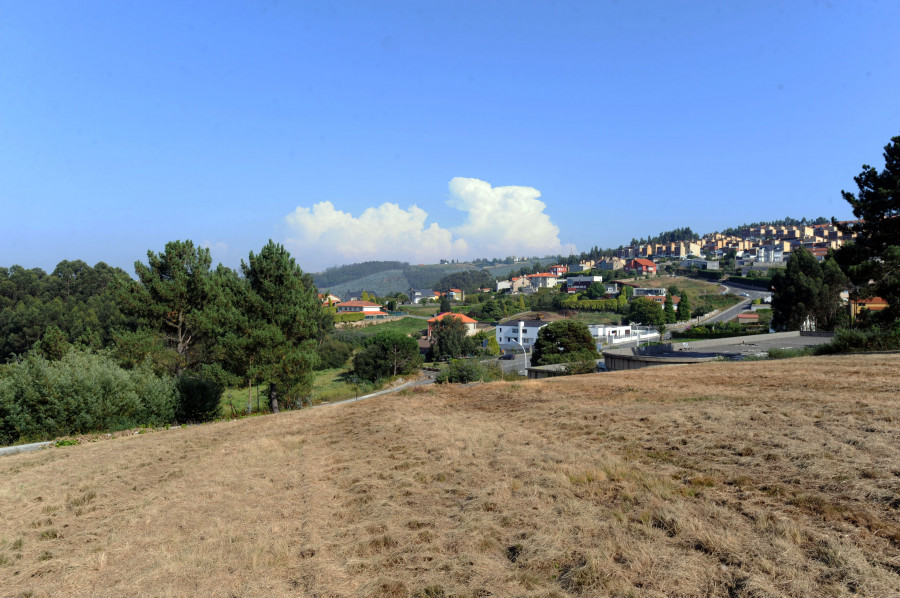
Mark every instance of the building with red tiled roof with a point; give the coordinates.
(466, 320)
(640, 266)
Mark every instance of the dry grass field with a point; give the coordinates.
(723, 479)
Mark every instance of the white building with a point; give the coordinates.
(512, 334)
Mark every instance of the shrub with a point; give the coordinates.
(851, 341)
(198, 400)
(461, 371)
(333, 353)
(81, 392)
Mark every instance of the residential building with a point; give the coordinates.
(558, 270)
(371, 311)
(329, 300)
(577, 284)
(420, 295)
(641, 266)
(514, 334)
(701, 264)
(456, 295)
(611, 263)
(544, 280)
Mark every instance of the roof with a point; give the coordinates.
(359, 304)
(526, 323)
(542, 275)
(462, 317)
(455, 291)
(643, 262)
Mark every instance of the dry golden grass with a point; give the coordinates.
(722, 479)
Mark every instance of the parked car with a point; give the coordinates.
(745, 294)
(507, 357)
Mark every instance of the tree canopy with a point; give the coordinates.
(563, 341)
(645, 311)
(872, 260)
(387, 353)
(286, 319)
(807, 292)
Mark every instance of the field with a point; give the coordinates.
(722, 479)
(692, 286)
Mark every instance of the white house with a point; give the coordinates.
(367, 308)
(512, 334)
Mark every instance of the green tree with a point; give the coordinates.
(645, 311)
(596, 290)
(669, 310)
(287, 320)
(493, 346)
(170, 297)
(807, 291)
(387, 353)
(872, 260)
(563, 341)
(684, 309)
(445, 304)
(520, 304)
(449, 338)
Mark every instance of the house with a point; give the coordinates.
(544, 280)
(612, 263)
(371, 311)
(470, 324)
(520, 284)
(512, 334)
(456, 295)
(650, 292)
(641, 266)
(419, 295)
(869, 304)
(329, 300)
(353, 295)
(576, 284)
(586, 265)
(504, 285)
(748, 317)
(701, 264)
(558, 270)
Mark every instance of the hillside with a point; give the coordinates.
(724, 479)
(384, 282)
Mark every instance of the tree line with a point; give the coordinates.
(165, 344)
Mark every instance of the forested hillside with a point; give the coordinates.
(341, 274)
(383, 278)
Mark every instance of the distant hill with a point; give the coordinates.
(378, 278)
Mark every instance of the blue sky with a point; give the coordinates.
(419, 130)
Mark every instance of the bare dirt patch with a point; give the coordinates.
(722, 479)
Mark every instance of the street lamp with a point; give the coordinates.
(524, 354)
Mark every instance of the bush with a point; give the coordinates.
(81, 392)
(198, 400)
(333, 353)
(349, 317)
(852, 341)
(461, 371)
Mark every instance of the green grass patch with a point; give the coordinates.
(429, 309)
(410, 326)
(598, 317)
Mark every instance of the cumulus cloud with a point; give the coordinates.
(504, 220)
(331, 236)
(499, 221)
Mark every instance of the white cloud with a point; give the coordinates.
(499, 221)
(328, 236)
(504, 220)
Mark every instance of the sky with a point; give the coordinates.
(419, 131)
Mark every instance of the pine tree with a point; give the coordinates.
(287, 320)
(684, 309)
(669, 310)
